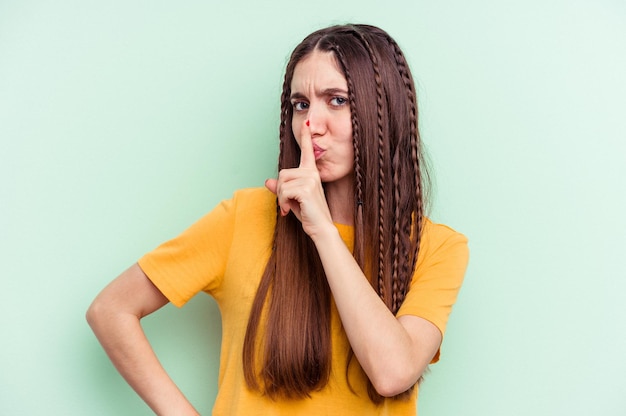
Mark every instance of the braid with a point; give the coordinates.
(397, 296)
(415, 160)
(284, 115)
(381, 167)
(358, 169)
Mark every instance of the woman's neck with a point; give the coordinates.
(340, 199)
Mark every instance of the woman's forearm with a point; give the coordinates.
(392, 354)
(126, 345)
(115, 317)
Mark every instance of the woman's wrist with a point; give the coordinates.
(325, 234)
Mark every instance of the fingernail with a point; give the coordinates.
(308, 123)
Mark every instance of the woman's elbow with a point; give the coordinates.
(94, 312)
(100, 312)
(390, 384)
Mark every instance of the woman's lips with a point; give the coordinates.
(317, 151)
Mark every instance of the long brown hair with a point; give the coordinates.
(293, 296)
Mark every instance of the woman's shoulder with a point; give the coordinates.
(244, 205)
(437, 230)
(437, 236)
(258, 193)
(258, 197)
(255, 202)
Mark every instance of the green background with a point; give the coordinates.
(122, 122)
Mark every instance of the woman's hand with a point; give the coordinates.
(299, 190)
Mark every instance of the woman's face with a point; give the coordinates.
(319, 94)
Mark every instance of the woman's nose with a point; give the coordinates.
(316, 119)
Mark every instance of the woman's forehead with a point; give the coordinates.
(319, 68)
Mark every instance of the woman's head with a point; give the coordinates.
(381, 93)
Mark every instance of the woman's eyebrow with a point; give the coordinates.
(297, 96)
(324, 93)
(333, 91)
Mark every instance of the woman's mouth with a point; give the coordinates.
(317, 151)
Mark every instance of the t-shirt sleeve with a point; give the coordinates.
(195, 260)
(438, 276)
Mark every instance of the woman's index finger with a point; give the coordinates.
(307, 156)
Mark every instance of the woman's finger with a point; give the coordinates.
(307, 156)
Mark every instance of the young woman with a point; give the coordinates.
(334, 288)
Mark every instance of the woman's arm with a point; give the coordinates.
(393, 352)
(114, 317)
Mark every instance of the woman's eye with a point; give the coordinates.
(338, 101)
(300, 105)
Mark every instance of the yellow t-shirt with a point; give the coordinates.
(224, 254)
